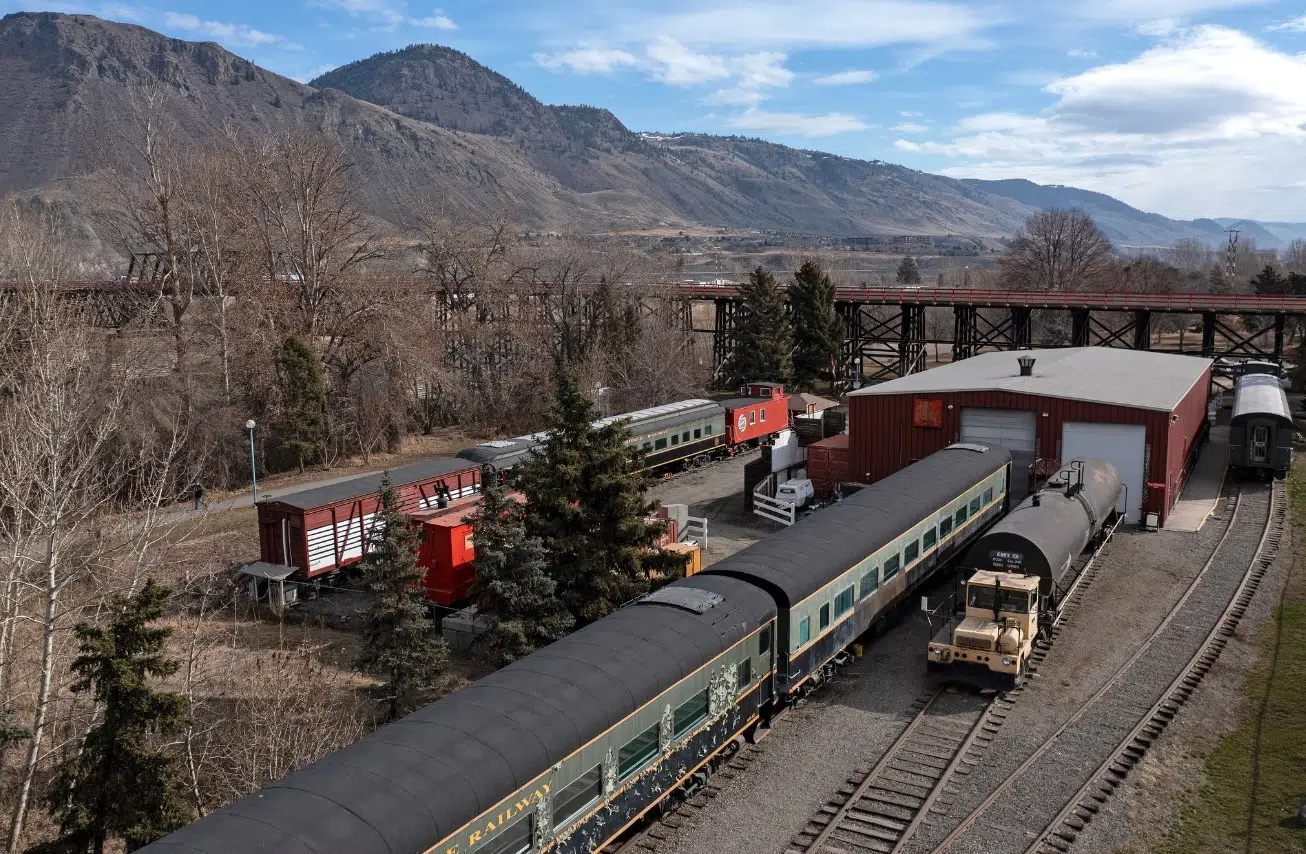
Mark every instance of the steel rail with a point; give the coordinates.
(1131, 748)
(1110, 683)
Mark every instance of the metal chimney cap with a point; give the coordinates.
(1026, 365)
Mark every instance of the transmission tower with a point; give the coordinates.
(1231, 254)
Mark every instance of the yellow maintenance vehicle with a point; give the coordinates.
(991, 645)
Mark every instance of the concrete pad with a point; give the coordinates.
(1202, 491)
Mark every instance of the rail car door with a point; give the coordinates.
(1260, 444)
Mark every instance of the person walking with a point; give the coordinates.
(199, 495)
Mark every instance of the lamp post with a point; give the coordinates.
(253, 469)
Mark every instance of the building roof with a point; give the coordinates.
(1135, 378)
(801, 401)
(368, 484)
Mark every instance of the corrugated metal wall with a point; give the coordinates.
(883, 439)
(1190, 415)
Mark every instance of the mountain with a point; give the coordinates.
(1283, 232)
(430, 122)
(1124, 225)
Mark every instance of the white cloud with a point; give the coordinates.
(438, 21)
(792, 24)
(1159, 28)
(588, 60)
(237, 35)
(672, 62)
(1154, 10)
(384, 12)
(910, 127)
(797, 124)
(1296, 25)
(847, 78)
(1210, 102)
(1076, 53)
(910, 114)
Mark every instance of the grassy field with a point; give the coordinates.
(1256, 778)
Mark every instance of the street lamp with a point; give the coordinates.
(253, 469)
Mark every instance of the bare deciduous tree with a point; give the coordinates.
(1057, 250)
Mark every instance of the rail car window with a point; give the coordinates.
(910, 553)
(675, 440)
(805, 631)
(843, 603)
(707, 429)
(1015, 601)
(961, 516)
(744, 673)
(648, 446)
(577, 796)
(764, 641)
(660, 444)
(752, 418)
(945, 526)
(891, 567)
(515, 840)
(825, 615)
(690, 712)
(988, 495)
(764, 415)
(870, 581)
(698, 433)
(929, 539)
(975, 505)
(684, 437)
(638, 751)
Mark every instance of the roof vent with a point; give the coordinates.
(1026, 366)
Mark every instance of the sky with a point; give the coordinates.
(1188, 108)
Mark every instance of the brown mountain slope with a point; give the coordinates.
(431, 121)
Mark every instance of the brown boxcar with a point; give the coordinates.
(322, 529)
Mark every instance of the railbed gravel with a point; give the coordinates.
(812, 751)
(1144, 576)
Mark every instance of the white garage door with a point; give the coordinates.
(1013, 429)
(1122, 445)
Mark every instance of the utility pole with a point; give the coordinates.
(1231, 255)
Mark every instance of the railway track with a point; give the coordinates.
(881, 808)
(1043, 803)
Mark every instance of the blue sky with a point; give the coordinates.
(1185, 107)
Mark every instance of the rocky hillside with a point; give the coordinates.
(430, 121)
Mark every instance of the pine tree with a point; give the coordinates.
(1269, 281)
(513, 586)
(303, 395)
(818, 331)
(1216, 282)
(763, 345)
(909, 273)
(122, 785)
(401, 645)
(586, 504)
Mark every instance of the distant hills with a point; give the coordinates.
(429, 121)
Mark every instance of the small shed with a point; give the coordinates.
(804, 403)
(1144, 412)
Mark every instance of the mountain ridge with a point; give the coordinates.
(428, 120)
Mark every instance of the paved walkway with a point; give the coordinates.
(1202, 491)
(246, 499)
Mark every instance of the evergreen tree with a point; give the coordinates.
(1216, 281)
(1297, 284)
(818, 331)
(513, 585)
(909, 273)
(1269, 281)
(122, 785)
(763, 346)
(586, 505)
(303, 395)
(401, 645)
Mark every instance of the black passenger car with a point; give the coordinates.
(1261, 428)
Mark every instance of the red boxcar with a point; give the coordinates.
(322, 529)
(763, 411)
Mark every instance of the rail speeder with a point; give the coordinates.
(1022, 573)
(564, 749)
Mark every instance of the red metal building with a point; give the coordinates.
(1144, 412)
(322, 529)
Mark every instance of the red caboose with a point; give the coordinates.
(322, 529)
(761, 410)
(447, 552)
